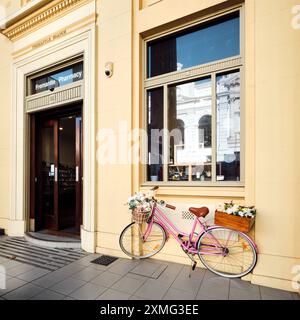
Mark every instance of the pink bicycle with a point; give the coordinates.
(226, 252)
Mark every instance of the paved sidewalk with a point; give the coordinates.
(126, 279)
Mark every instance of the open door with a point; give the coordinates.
(57, 191)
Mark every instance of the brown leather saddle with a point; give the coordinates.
(199, 212)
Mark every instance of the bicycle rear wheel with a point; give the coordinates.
(226, 252)
(134, 245)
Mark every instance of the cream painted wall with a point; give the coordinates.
(114, 100)
(277, 178)
(5, 96)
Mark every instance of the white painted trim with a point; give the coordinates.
(80, 42)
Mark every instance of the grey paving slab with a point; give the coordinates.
(152, 289)
(16, 271)
(274, 294)
(106, 279)
(241, 294)
(71, 269)
(12, 284)
(176, 294)
(167, 277)
(218, 289)
(136, 276)
(111, 294)
(244, 285)
(122, 268)
(197, 273)
(23, 293)
(48, 295)
(11, 264)
(3, 260)
(89, 291)
(87, 274)
(186, 283)
(174, 268)
(149, 269)
(128, 285)
(33, 274)
(50, 279)
(67, 286)
(98, 267)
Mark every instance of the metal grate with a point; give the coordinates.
(186, 215)
(104, 260)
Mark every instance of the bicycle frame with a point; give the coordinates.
(189, 246)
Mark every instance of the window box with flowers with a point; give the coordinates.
(237, 217)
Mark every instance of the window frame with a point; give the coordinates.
(193, 73)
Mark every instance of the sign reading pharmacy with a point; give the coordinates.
(58, 78)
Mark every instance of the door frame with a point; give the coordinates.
(39, 221)
(81, 42)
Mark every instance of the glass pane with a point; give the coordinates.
(57, 79)
(155, 135)
(228, 127)
(212, 41)
(47, 170)
(189, 119)
(67, 171)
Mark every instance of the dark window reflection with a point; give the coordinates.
(155, 138)
(228, 126)
(211, 41)
(190, 138)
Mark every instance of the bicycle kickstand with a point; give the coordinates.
(193, 265)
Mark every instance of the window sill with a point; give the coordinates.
(224, 190)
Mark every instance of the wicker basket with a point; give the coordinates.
(238, 223)
(140, 216)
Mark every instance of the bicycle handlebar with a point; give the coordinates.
(167, 205)
(170, 207)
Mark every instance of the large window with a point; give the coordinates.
(194, 118)
(211, 41)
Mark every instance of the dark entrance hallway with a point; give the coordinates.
(56, 171)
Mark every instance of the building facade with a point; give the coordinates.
(81, 78)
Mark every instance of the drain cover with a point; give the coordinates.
(104, 260)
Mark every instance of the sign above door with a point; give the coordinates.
(57, 78)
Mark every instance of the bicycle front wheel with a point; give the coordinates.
(226, 252)
(135, 245)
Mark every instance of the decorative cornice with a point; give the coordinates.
(45, 15)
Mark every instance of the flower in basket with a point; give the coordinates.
(140, 202)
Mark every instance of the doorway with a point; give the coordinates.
(56, 171)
